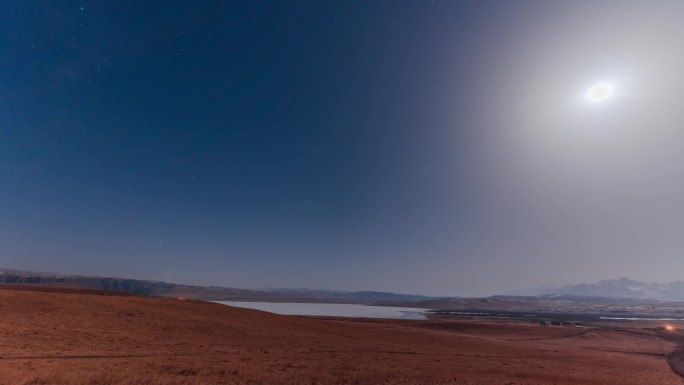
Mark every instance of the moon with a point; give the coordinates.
(600, 92)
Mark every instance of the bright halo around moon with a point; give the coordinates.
(600, 92)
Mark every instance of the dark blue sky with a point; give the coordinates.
(349, 145)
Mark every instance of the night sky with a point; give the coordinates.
(436, 147)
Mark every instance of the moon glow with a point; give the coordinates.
(600, 92)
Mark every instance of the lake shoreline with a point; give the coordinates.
(332, 309)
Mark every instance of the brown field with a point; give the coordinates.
(76, 337)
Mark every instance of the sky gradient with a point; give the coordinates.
(426, 147)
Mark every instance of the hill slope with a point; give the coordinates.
(165, 289)
(85, 338)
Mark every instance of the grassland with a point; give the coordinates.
(96, 338)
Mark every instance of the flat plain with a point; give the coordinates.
(80, 337)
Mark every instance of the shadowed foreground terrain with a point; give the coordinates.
(79, 337)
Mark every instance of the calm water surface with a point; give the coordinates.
(333, 309)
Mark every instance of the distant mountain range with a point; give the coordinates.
(612, 288)
(212, 293)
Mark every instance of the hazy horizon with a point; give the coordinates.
(503, 292)
(440, 148)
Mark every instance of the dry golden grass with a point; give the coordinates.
(79, 338)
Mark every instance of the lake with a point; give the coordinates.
(333, 309)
